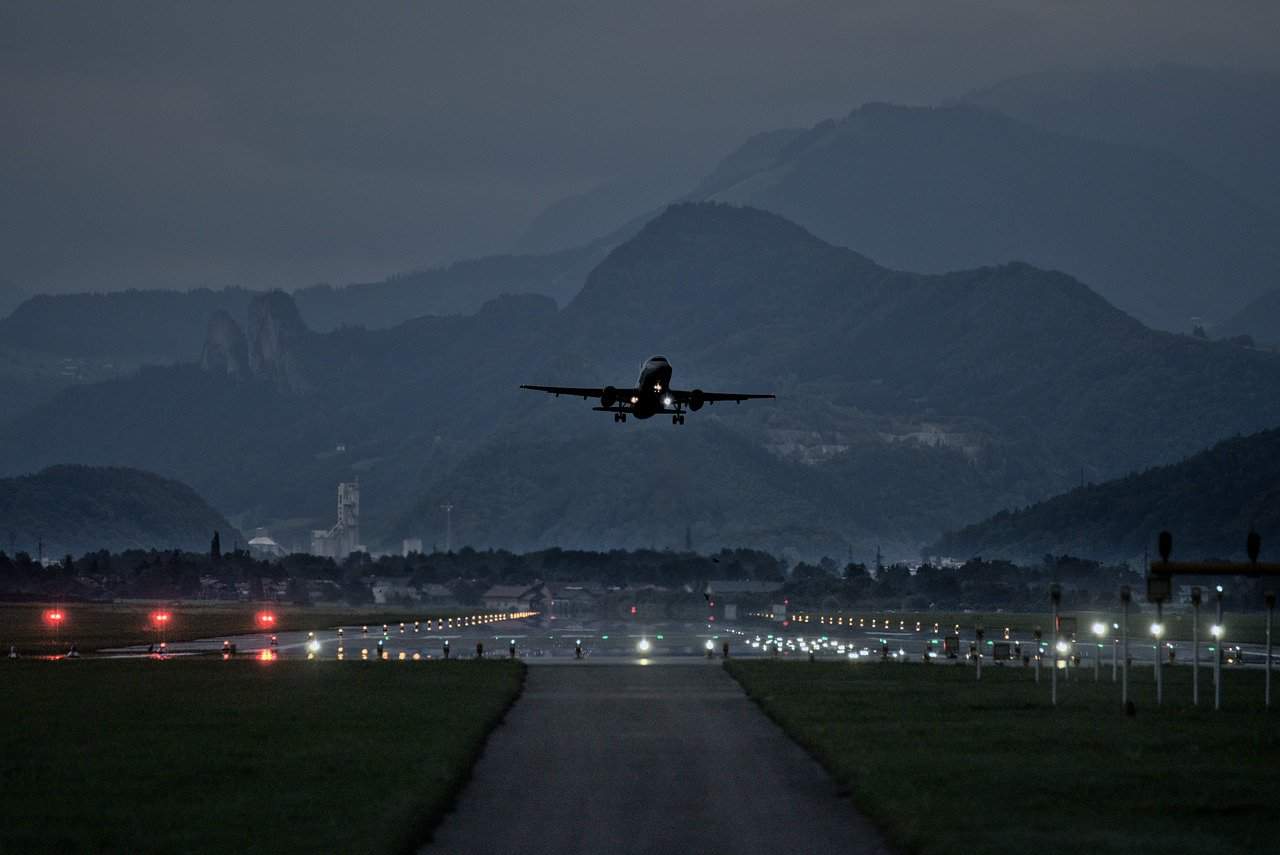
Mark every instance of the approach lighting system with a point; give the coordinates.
(266, 619)
(55, 617)
(160, 619)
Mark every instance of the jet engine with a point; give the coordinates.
(609, 398)
(696, 400)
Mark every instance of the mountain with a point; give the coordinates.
(78, 509)
(938, 189)
(1260, 320)
(458, 289)
(583, 218)
(10, 297)
(164, 326)
(136, 326)
(908, 403)
(1224, 122)
(53, 341)
(1209, 501)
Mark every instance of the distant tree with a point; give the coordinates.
(1199, 332)
(215, 547)
(69, 564)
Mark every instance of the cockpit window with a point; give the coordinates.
(658, 359)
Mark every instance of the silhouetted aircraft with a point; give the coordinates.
(651, 396)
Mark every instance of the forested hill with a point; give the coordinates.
(76, 509)
(1209, 501)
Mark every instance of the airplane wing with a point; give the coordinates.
(685, 397)
(575, 391)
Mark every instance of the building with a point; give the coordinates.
(516, 598)
(263, 546)
(411, 545)
(394, 589)
(344, 538)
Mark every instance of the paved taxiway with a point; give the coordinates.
(649, 759)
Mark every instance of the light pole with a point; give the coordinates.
(1269, 598)
(1099, 630)
(1039, 656)
(978, 632)
(1055, 596)
(1115, 653)
(1157, 630)
(1125, 596)
(1195, 646)
(1217, 654)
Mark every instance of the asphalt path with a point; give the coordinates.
(649, 758)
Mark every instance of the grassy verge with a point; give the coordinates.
(947, 765)
(95, 626)
(206, 756)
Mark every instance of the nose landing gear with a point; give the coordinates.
(677, 419)
(619, 417)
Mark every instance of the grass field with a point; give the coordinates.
(1241, 628)
(94, 626)
(205, 756)
(946, 765)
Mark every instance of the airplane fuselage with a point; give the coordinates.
(648, 397)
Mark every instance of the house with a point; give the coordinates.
(575, 600)
(437, 595)
(516, 598)
(394, 589)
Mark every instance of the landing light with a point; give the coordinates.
(666, 402)
(644, 645)
(710, 645)
(1063, 647)
(1157, 629)
(1216, 631)
(1100, 629)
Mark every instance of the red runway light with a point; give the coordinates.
(266, 619)
(54, 617)
(160, 618)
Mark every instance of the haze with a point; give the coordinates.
(149, 145)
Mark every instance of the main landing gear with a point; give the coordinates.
(677, 419)
(619, 417)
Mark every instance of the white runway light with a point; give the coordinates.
(644, 646)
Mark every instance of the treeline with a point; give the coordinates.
(467, 573)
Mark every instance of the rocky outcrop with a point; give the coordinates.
(226, 350)
(275, 331)
(271, 349)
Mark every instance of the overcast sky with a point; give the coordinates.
(281, 144)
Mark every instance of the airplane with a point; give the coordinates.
(651, 396)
